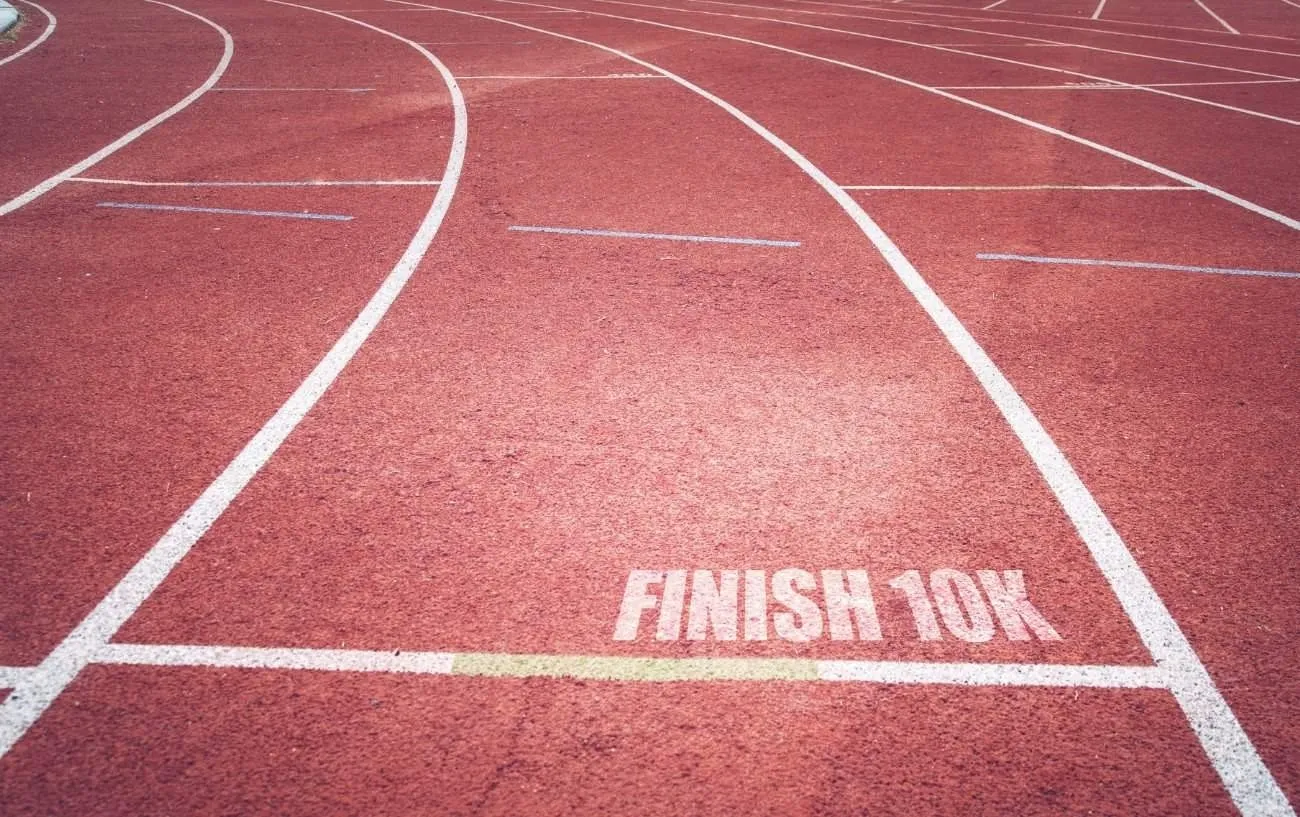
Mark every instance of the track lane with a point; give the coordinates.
(234, 412)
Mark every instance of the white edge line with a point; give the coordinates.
(1093, 262)
(179, 655)
(26, 704)
(308, 183)
(1217, 18)
(11, 677)
(45, 35)
(129, 137)
(972, 674)
(1248, 781)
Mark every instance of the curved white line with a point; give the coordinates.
(48, 680)
(1109, 151)
(45, 35)
(1248, 781)
(951, 27)
(1085, 29)
(127, 138)
(991, 57)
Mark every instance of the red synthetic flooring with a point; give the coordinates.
(540, 414)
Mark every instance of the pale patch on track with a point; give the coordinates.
(33, 696)
(1093, 262)
(51, 22)
(634, 669)
(123, 205)
(129, 137)
(703, 239)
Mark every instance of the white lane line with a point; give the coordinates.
(1010, 675)
(977, 55)
(289, 90)
(1086, 86)
(1093, 262)
(978, 187)
(631, 668)
(703, 239)
(1216, 17)
(25, 705)
(127, 138)
(305, 183)
(1248, 781)
(1039, 126)
(1096, 15)
(11, 677)
(45, 35)
(127, 205)
(179, 655)
(993, 5)
(592, 76)
(1103, 32)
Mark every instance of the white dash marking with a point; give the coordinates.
(179, 655)
(123, 205)
(704, 239)
(979, 187)
(993, 5)
(1096, 15)
(1094, 262)
(538, 76)
(277, 90)
(80, 647)
(45, 35)
(129, 137)
(307, 183)
(1011, 675)
(1216, 17)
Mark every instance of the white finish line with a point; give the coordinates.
(624, 668)
(121, 205)
(704, 239)
(1094, 262)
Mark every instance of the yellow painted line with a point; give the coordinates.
(612, 668)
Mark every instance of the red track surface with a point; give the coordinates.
(540, 414)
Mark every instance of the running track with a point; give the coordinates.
(650, 407)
